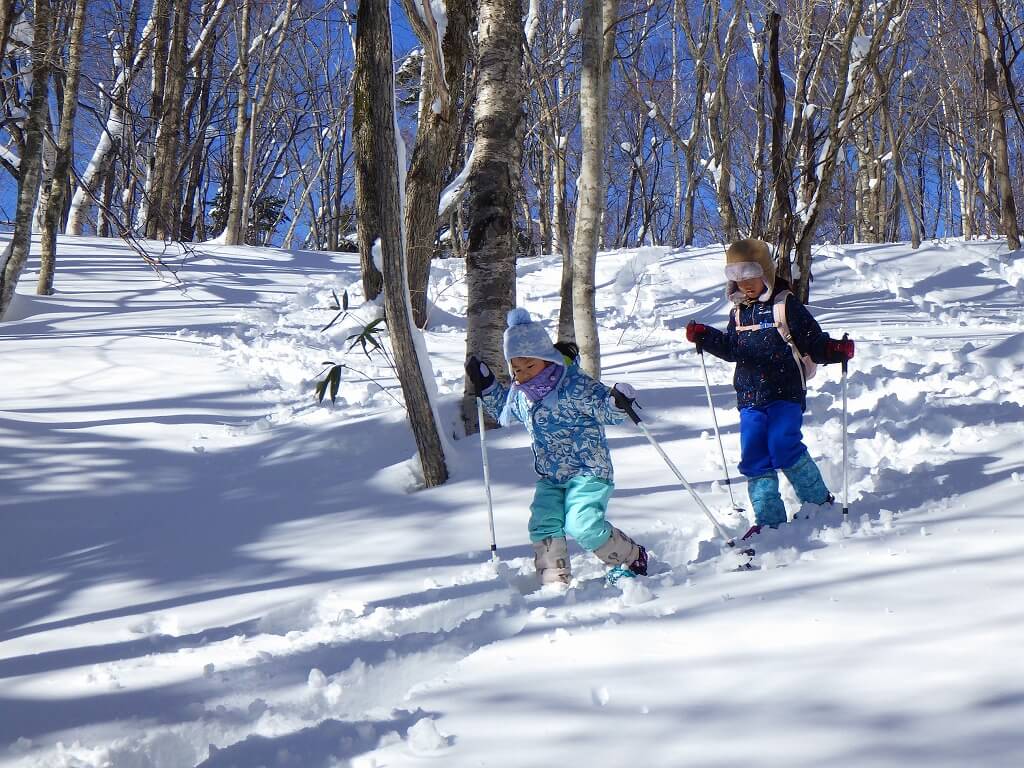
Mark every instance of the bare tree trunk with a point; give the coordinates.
(198, 154)
(54, 209)
(233, 234)
(161, 41)
(757, 214)
(497, 127)
(560, 207)
(719, 121)
(897, 169)
(12, 260)
(566, 331)
(165, 195)
(364, 139)
(781, 223)
(373, 42)
(590, 200)
(435, 137)
(1000, 152)
(6, 22)
(851, 67)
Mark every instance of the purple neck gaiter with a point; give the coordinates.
(537, 388)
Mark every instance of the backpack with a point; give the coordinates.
(804, 364)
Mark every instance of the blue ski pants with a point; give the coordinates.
(771, 439)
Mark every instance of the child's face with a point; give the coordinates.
(752, 287)
(525, 368)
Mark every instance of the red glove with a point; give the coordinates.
(838, 350)
(695, 331)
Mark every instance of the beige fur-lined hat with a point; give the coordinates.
(745, 259)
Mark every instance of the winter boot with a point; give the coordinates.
(639, 566)
(627, 558)
(619, 549)
(766, 501)
(806, 480)
(551, 558)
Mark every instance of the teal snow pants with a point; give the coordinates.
(576, 508)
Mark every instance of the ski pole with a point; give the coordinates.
(846, 491)
(487, 475)
(718, 435)
(627, 406)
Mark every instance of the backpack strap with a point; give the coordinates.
(804, 363)
(755, 327)
(779, 312)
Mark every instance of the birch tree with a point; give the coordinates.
(233, 231)
(995, 108)
(128, 61)
(596, 30)
(495, 160)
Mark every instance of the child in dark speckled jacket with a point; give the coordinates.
(770, 385)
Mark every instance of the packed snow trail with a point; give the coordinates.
(206, 567)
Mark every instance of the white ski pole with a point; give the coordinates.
(629, 409)
(846, 487)
(718, 435)
(487, 475)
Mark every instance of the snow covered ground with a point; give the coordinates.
(203, 566)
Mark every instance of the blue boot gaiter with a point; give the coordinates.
(766, 501)
(805, 478)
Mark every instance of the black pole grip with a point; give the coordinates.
(846, 360)
(629, 405)
(632, 413)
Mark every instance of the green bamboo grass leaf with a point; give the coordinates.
(335, 377)
(332, 380)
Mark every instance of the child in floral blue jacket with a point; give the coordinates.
(770, 378)
(564, 411)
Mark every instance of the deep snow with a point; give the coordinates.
(203, 566)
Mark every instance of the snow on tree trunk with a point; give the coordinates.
(435, 137)
(112, 134)
(497, 128)
(374, 41)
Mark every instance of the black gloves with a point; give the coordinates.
(480, 376)
(569, 349)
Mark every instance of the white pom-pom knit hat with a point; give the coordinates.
(526, 338)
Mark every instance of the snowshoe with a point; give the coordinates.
(618, 573)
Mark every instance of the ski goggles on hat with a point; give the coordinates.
(745, 270)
